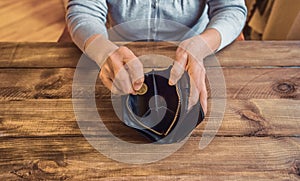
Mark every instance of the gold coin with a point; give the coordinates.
(142, 90)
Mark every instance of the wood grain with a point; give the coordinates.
(55, 117)
(259, 83)
(72, 158)
(259, 138)
(239, 54)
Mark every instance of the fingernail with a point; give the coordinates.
(137, 86)
(171, 83)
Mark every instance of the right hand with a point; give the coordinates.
(122, 72)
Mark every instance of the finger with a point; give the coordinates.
(134, 67)
(201, 86)
(135, 70)
(122, 80)
(194, 93)
(106, 76)
(197, 78)
(109, 84)
(178, 67)
(106, 71)
(126, 52)
(203, 99)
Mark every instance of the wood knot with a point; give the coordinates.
(42, 170)
(49, 166)
(255, 119)
(284, 87)
(52, 83)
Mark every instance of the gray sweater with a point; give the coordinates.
(169, 20)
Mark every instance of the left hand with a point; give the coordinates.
(189, 57)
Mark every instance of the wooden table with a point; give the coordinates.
(259, 138)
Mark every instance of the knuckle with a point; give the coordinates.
(114, 56)
(179, 49)
(135, 65)
(125, 50)
(122, 48)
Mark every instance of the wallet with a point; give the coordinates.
(161, 114)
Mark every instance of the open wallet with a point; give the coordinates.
(161, 114)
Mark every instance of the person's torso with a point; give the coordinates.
(156, 19)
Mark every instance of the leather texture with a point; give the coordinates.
(161, 114)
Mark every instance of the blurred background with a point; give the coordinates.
(43, 21)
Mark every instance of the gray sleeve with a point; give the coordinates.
(85, 19)
(228, 17)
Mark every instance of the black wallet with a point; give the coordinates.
(162, 114)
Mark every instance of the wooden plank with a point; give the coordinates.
(259, 137)
(268, 83)
(43, 117)
(233, 158)
(239, 54)
(261, 53)
(39, 55)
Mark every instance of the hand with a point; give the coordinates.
(189, 57)
(122, 72)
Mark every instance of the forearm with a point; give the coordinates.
(86, 19)
(91, 39)
(99, 48)
(212, 40)
(86, 22)
(228, 18)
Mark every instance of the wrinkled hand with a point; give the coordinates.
(189, 57)
(122, 72)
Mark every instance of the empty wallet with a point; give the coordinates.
(161, 114)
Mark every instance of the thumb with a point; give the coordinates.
(178, 69)
(136, 72)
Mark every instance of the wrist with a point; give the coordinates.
(196, 47)
(212, 39)
(99, 48)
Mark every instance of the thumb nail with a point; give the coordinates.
(171, 82)
(138, 84)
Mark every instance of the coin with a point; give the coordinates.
(142, 90)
